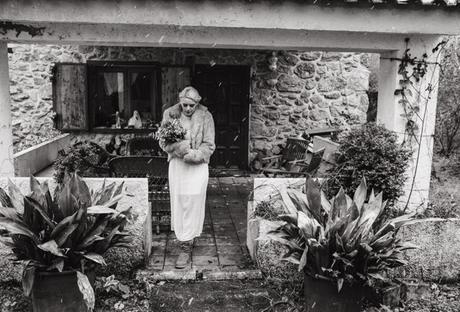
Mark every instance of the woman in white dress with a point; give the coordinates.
(188, 168)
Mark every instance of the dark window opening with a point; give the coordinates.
(124, 96)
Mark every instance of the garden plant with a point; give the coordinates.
(69, 232)
(337, 242)
(371, 151)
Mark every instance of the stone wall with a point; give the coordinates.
(307, 90)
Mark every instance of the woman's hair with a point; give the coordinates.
(190, 93)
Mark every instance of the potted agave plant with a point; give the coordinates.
(338, 244)
(62, 239)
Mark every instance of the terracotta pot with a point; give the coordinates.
(322, 296)
(58, 292)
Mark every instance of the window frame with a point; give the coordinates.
(127, 68)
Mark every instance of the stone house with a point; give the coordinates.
(305, 90)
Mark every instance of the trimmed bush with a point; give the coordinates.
(370, 151)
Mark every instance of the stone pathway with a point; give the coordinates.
(220, 252)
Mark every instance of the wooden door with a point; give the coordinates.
(225, 91)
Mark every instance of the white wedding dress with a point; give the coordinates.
(187, 186)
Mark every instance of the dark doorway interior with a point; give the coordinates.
(225, 91)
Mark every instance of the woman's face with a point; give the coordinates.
(188, 108)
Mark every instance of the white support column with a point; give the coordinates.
(6, 134)
(389, 113)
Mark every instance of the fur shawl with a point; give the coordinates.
(202, 134)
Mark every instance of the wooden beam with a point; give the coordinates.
(200, 37)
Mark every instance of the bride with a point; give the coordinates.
(188, 169)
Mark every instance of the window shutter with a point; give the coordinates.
(70, 97)
(173, 80)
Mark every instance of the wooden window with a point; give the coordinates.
(70, 97)
(118, 91)
(94, 96)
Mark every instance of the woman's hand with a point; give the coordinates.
(194, 157)
(182, 148)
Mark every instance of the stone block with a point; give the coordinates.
(310, 56)
(288, 83)
(305, 70)
(439, 250)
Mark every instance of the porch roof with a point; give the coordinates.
(99, 21)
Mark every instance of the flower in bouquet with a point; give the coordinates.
(170, 132)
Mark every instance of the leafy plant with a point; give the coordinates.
(335, 239)
(111, 285)
(70, 231)
(372, 152)
(85, 158)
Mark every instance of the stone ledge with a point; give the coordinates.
(439, 250)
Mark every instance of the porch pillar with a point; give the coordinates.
(6, 134)
(390, 113)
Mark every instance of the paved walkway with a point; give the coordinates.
(221, 250)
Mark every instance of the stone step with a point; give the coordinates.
(203, 296)
(150, 275)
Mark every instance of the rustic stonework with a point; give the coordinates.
(307, 90)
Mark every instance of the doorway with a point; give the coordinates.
(225, 91)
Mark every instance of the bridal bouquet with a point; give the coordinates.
(170, 131)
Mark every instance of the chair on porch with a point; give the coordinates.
(143, 146)
(155, 168)
(288, 163)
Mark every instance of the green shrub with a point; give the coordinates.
(85, 158)
(372, 152)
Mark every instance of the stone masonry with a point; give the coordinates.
(307, 90)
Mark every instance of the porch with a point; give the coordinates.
(220, 252)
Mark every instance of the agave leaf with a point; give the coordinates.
(383, 241)
(325, 203)
(58, 264)
(35, 185)
(303, 259)
(299, 200)
(97, 258)
(86, 290)
(102, 246)
(16, 197)
(101, 210)
(105, 194)
(307, 226)
(89, 241)
(278, 237)
(36, 205)
(66, 201)
(28, 278)
(18, 228)
(287, 202)
(9, 213)
(112, 202)
(66, 227)
(292, 258)
(312, 190)
(378, 276)
(339, 207)
(80, 189)
(360, 194)
(290, 218)
(5, 200)
(51, 247)
(406, 246)
(339, 284)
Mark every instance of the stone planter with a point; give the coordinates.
(58, 291)
(322, 296)
(438, 254)
(264, 251)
